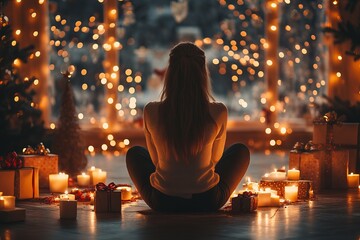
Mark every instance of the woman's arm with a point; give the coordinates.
(149, 140)
(219, 143)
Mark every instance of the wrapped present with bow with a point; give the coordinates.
(246, 202)
(326, 168)
(329, 132)
(16, 180)
(107, 198)
(41, 158)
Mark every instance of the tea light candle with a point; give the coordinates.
(291, 193)
(7, 202)
(250, 186)
(293, 174)
(68, 209)
(276, 175)
(353, 180)
(58, 182)
(125, 193)
(83, 180)
(264, 198)
(67, 196)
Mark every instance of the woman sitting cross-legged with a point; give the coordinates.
(185, 167)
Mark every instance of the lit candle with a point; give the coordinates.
(2, 203)
(90, 173)
(353, 180)
(7, 202)
(99, 176)
(291, 193)
(275, 200)
(293, 174)
(125, 193)
(275, 176)
(68, 209)
(264, 198)
(58, 182)
(83, 180)
(67, 196)
(250, 186)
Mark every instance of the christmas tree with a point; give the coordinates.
(67, 141)
(20, 120)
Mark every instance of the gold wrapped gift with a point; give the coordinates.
(22, 183)
(47, 164)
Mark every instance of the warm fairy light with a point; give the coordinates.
(52, 126)
(283, 130)
(80, 116)
(269, 62)
(110, 137)
(36, 82)
(35, 33)
(126, 141)
(273, 28)
(118, 106)
(335, 2)
(91, 148)
(110, 100)
(16, 98)
(273, 5)
(41, 1)
(18, 32)
(18, 1)
(268, 130)
(276, 125)
(272, 108)
(104, 147)
(339, 57)
(215, 61)
(272, 142)
(338, 74)
(105, 125)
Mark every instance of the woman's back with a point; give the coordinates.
(182, 177)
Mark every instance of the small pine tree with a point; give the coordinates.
(20, 120)
(67, 142)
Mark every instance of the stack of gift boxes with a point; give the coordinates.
(332, 158)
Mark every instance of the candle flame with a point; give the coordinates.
(351, 173)
(248, 179)
(66, 192)
(92, 168)
(83, 174)
(1, 198)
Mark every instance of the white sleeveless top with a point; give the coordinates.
(179, 178)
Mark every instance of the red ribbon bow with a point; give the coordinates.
(102, 187)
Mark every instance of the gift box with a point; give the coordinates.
(326, 169)
(244, 203)
(107, 201)
(47, 164)
(22, 183)
(12, 215)
(342, 136)
(304, 187)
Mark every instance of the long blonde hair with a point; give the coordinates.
(184, 110)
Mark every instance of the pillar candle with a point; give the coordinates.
(8, 202)
(83, 180)
(2, 203)
(264, 198)
(353, 180)
(67, 196)
(291, 193)
(275, 201)
(58, 182)
(293, 174)
(125, 193)
(99, 176)
(68, 209)
(90, 173)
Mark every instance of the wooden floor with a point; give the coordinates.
(332, 215)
